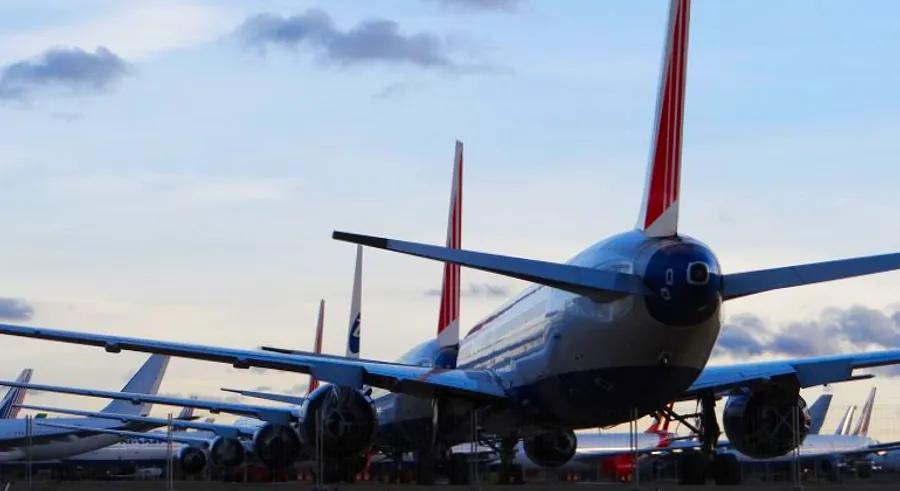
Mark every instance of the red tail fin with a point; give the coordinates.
(317, 346)
(659, 213)
(448, 320)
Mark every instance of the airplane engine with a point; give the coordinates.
(551, 449)
(226, 452)
(191, 459)
(276, 445)
(763, 424)
(348, 420)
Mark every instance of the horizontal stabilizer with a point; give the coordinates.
(160, 437)
(225, 431)
(268, 396)
(597, 284)
(743, 284)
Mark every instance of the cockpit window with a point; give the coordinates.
(698, 273)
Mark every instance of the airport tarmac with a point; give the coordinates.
(855, 485)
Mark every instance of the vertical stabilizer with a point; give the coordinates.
(817, 413)
(659, 210)
(843, 427)
(865, 416)
(186, 414)
(448, 319)
(317, 345)
(355, 308)
(145, 381)
(9, 406)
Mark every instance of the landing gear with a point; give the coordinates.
(509, 472)
(696, 467)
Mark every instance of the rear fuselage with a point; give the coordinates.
(573, 362)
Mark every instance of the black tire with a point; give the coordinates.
(864, 470)
(693, 468)
(726, 470)
(459, 469)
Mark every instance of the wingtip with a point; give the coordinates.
(366, 240)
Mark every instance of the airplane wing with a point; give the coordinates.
(268, 396)
(194, 441)
(408, 379)
(809, 372)
(265, 413)
(225, 431)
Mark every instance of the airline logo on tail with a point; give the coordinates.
(448, 320)
(317, 346)
(353, 330)
(659, 213)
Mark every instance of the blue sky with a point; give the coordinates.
(189, 188)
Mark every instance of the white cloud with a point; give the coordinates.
(132, 30)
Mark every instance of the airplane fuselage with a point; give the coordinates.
(569, 361)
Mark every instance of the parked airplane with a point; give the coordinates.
(18, 442)
(619, 331)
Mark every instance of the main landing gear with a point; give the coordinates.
(695, 467)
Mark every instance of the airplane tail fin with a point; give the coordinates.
(317, 346)
(353, 330)
(145, 381)
(9, 406)
(865, 417)
(448, 318)
(659, 210)
(817, 413)
(843, 427)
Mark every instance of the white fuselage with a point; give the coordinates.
(49, 443)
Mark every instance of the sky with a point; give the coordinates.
(175, 169)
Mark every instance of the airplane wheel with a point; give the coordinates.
(425, 468)
(459, 469)
(864, 470)
(726, 470)
(693, 467)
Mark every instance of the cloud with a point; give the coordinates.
(853, 329)
(376, 40)
(72, 70)
(15, 309)
(480, 290)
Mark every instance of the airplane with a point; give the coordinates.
(18, 442)
(617, 332)
(226, 446)
(9, 408)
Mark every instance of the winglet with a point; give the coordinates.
(659, 210)
(865, 417)
(10, 405)
(354, 326)
(317, 346)
(145, 381)
(448, 318)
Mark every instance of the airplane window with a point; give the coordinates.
(698, 273)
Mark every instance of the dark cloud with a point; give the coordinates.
(69, 69)
(376, 40)
(15, 309)
(483, 4)
(855, 329)
(483, 290)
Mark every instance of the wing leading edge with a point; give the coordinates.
(408, 379)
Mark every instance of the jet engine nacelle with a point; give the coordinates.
(348, 420)
(551, 449)
(276, 445)
(227, 452)
(191, 459)
(764, 423)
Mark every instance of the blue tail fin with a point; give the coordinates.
(9, 408)
(817, 413)
(145, 381)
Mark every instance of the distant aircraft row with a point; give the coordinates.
(622, 330)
